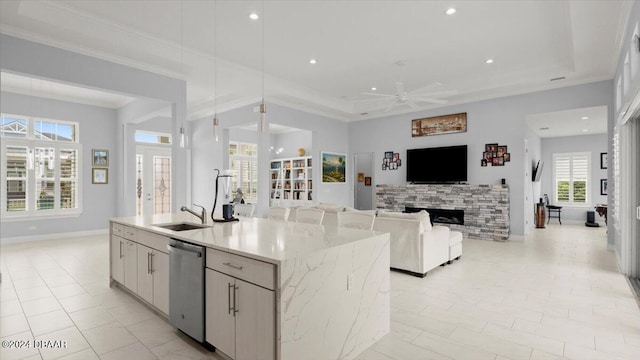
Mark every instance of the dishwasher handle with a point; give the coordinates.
(175, 249)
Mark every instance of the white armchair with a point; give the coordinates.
(416, 246)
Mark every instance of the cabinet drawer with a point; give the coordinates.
(117, 229)
(130, 233)
(154, 241)
(254, 271)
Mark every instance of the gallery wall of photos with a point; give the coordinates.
(495, 155)
(391, 161)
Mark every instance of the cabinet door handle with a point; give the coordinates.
(233, 266)
(235, 297)
(120, 249)
(151, 263)
(148, 263)
(229, 297)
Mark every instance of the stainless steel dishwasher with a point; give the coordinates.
(186, 288)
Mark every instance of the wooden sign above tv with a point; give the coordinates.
(445, 124)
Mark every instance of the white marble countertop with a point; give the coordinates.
(272, 241)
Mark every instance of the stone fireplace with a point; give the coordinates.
(440, 216)
(478, 211)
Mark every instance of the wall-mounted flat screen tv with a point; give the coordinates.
(437, 165)
(537, 171)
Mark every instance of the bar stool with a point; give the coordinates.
(552, 209)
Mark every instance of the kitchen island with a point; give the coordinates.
(303, 291)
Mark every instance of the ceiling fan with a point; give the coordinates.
(411, 98)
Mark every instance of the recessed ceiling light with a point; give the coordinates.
(374, 88)
(585, 130)
(584, 118)
(254, 16)
(313, 61)
(450, 11)
(489, 61)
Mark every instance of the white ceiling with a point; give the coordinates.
(54, 90)
(569, 122)
(356, 44)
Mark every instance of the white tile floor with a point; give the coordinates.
(558, 295)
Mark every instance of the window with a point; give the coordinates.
(244, 169)
(153, 138)
(41, 167)
(571, 174)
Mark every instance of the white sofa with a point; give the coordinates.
(416, 245)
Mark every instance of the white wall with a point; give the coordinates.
(97, 131)
(532, 189)
(492, 121)
(592, 144)
(327, 135)
(290, 143)
(626, 85)
(46, 62)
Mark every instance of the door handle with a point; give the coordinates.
(235, 297)
(148, 263)
(229, 286)
(120, 249)
(237, 267)
(151, 263)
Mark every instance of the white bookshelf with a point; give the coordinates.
(291, 181)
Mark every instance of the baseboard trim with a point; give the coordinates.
(31, 238)
(516, 237)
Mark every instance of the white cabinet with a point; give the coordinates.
(124, 262)
(153, 277)
(129, 250)
(160, 267)
(117, 259)
(255, 321)
(138, 262)
(219, 322)
(240, 315)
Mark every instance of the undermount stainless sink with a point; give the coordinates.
(181, 226)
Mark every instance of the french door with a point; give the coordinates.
(153, 180)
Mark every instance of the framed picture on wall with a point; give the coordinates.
(333, 167)
(100, 157)
(603, 187)
(99, 176)
(603, 160)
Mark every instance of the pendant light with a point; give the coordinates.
(182, 140)
(263, 108)
(215, 71)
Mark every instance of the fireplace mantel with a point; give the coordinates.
(486, 207)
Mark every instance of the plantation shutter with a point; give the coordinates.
(580, 177)
(571, 177)
(563, 177)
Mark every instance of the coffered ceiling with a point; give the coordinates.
(356, 45)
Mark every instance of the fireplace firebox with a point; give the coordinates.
(441, 216)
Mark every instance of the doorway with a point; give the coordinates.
(153, 180)
(363, 186)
